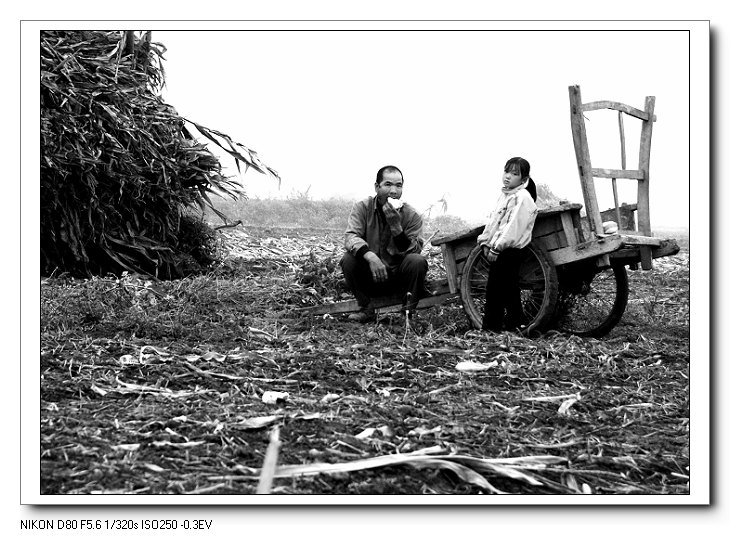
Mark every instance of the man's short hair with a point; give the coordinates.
(388, 168)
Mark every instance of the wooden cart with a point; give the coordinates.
(573, 275)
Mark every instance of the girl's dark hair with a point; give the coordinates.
(531, 189)
(524, 167)
(521, 164)
(388, 168)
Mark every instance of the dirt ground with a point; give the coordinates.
(179, 388)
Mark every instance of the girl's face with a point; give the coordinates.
(512, 177)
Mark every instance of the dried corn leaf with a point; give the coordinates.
(468, 469)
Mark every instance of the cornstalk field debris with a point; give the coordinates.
(156, 387)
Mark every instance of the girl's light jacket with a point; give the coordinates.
(510, 224)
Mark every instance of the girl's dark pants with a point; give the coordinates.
(503, 293)
(409, 276)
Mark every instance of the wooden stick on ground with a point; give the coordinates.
(269, 467)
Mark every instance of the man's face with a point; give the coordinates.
(390, 186)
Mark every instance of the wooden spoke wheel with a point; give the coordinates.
(538, 287)
(591, 301)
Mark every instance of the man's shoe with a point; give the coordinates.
(363, 316)
(409, 303)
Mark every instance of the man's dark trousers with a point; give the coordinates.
(409, 276)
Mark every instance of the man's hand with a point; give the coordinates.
(393, 218)
(377, 268)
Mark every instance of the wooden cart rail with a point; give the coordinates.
(439, 289)
(589, 174)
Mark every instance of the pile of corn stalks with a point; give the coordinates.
(119, 167)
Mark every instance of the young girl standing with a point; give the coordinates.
(507, 232)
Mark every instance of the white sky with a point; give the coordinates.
(326, 109)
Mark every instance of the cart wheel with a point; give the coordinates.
(538, 286)
(591, 304)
